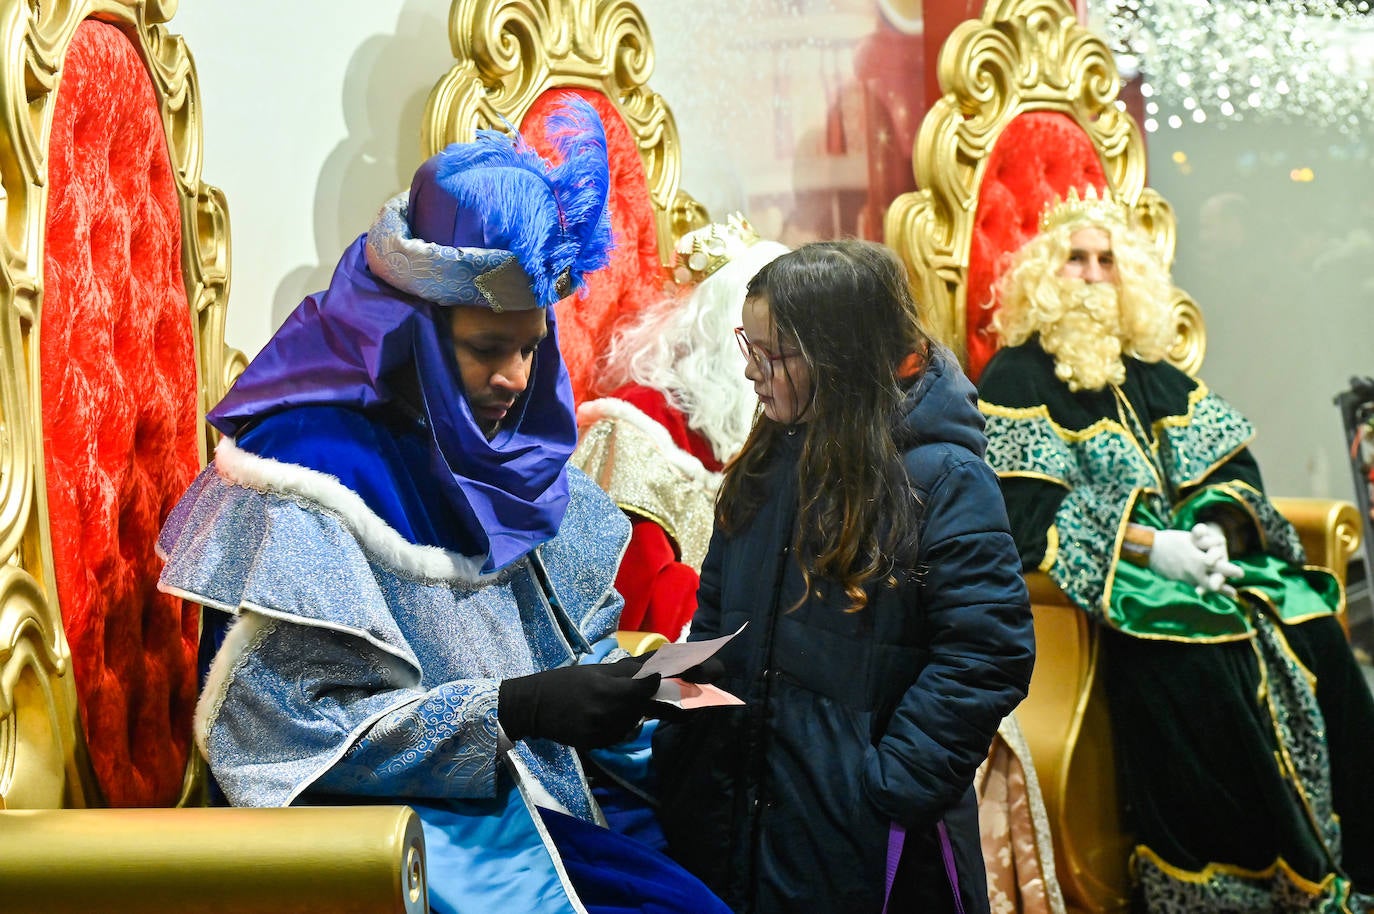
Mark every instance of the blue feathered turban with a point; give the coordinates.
(492, 223)
(486, 224)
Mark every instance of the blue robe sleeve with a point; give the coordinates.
(292, 707)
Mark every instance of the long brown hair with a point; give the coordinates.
(846, 306)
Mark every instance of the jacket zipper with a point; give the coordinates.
(764, 712)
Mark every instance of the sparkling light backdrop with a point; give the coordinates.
(1309, 61)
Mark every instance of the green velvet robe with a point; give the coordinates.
(1207, 692)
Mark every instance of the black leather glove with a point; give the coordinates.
(584, 706)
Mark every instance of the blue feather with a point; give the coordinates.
(582, 183)
(553, 219)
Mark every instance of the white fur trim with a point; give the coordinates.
(379, 538)
(243, 635)
(617, 410)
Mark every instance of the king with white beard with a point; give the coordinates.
(1244, 731)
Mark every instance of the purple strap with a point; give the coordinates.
(896, 837)
(947, 852)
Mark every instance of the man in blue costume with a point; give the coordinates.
(417, 578)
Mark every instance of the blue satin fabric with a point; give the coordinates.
(623, 784)
(488, 856)
(382, 465)
(364, 345)
(614, 874)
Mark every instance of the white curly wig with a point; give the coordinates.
(684, 346)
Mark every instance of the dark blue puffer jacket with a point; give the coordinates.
(854, 721)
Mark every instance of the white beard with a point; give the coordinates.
(1086, 340)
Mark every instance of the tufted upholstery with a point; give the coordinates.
(115, 270)
(1038, 157)
(634, 278)
(118, 380)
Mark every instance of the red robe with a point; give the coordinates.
(663, 474)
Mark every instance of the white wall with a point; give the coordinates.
(311, 112)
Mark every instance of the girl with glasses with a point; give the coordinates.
(863, 539)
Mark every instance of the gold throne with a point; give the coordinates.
(113, 281)
(1030, 109)
(515, 59)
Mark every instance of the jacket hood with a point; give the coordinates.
(943, 405)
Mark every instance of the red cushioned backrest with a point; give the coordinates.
(1038, 157)
(119, 414)
(634, 277)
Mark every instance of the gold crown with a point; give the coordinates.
(703, 251)
(1091, 209)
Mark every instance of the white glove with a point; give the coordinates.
(1209, 537)
(1177, 557)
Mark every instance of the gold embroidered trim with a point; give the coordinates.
(1031, 474)
(631, 467)
(1010, 731)
(1110, 582)
(1285, 757)
(1043, 412)
(1207, 471)
(1195, 396)
(1213, 870)
(1051, 548)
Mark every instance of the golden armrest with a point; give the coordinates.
(636, 643)
(1066, 726)
(1331, 530)
(307, 860)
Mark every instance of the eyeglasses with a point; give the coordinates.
(759, 357)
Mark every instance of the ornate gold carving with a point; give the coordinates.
(509, 52)
(1331, 531)
(1155, 216)
(38, 767)
(1191, 343)
(1348, 535)
(38, 718)
(1022, 55)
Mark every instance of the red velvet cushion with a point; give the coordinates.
(119, 414)
(634, 277)
(1038, 157)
